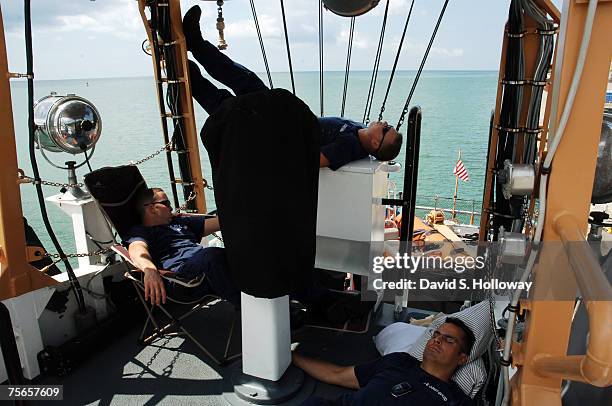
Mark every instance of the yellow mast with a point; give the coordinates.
(542, 356)
(190, 132)
(17, 276)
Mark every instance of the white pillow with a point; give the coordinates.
(471, 376)
(397, 337)
(403, 337)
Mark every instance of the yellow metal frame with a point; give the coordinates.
(542, 357)
(17, 276)
(186, 102)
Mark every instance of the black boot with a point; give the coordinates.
(191, 27)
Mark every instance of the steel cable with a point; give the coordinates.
(370, 98)
(287, 45)
(261, 44)
(397, 56)
(348, 64)
(418, 75)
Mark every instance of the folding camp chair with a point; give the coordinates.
(114, 189)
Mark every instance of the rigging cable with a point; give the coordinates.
(261, 44)
(418, 75)
(370, 98)
(321, 55)
(287, 45)
(74, 283)
(348, 64)
(397, 55)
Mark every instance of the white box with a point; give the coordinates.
(350, 224)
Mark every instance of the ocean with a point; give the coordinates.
(456, 109)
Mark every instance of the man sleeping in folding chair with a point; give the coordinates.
(164, 248)
(168, 245)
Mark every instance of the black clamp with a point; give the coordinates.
(505, 363)
(545, 170)
(547, 32)
(518, 35)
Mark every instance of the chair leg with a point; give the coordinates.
(150, 318)
(229, 341)
(177, 322)
(174, 321)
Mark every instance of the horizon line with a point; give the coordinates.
(264, 73)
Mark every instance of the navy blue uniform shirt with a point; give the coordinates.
(377, 379)
(171, 245)
(339, 141)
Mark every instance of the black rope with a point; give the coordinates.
(348, 64)
(370, 98)
(509, 117)
(397, 56)
(287, 45)
(321, 55)
(162, 25)
(418, 75)
(74, 282)
(155, 48)
(261, 44)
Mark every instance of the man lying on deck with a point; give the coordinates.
(342, 140)
(399, 378)
(168, 242)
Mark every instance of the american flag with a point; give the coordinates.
(460, 171)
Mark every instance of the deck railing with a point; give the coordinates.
(466, 211)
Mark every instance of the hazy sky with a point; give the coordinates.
(102, 38)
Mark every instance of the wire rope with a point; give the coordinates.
(261, 44)
(418, 75)
(321, 66)
(397, 56)
(287, 45)
(74, 283)
(348, 64)
(370, 98)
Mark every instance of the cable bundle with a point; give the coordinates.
(161, 28)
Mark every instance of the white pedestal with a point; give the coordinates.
(86, 218)
(25, 311)
(266, 336)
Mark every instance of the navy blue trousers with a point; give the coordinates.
(218, 65)
(212, 262)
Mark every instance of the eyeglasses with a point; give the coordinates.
(164, 202)
(441, 336)
(382, 140)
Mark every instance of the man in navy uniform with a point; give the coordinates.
(399, 378)
(342, 140)
(169, 243)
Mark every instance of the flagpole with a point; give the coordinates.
(456, 188)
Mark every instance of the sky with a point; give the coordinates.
(102, 38)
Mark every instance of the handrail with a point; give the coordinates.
(594, 367)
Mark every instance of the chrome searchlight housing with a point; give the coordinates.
(68, 123)
(350, 8)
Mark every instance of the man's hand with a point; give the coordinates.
(153, 283)
(154, 286)
(323, 161)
